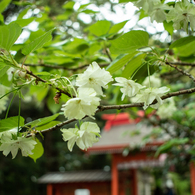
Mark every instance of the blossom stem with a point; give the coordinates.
(19, 113)
(10, 104)
(148, 74)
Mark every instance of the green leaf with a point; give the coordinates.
(42, 121)
(182, 41)
(24, 22)
(115, 28)
(37, 151)
(119, 62)
(187, 49)
(9, 35)
(47, 126)
(4, 4)
(126, 1)
(129, 42)
(168, 27)
(1, 19)
(10, 123)
(133, 65)
(100, 28)
(169, 144)
(69, 5)
(37, 43)
(3, 69)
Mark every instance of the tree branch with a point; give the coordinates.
(182, 63)
(180, 70)
(64, 68)
(44, 81)
(119, 107)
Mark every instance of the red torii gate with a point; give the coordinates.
(146, 153)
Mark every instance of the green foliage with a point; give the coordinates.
(129, 42)
(42, 121)
(37, 43)
(9, 35)
(4, 4)
(10, 123)
(37, 151)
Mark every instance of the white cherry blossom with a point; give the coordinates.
(149, 95)
(94, 77)
(152, 81)
(84, 137)
(84, 104)
(167, 109)
(8, 144)
(129, 87)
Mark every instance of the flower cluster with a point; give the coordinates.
(84, 137)
(141, 93)
(181, 14)
(11, 143)
(89, 84)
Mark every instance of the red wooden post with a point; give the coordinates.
(49, 189)
(134, 182)
(114, 180)
(192, 174)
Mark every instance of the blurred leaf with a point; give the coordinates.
(4, 4)
(37, 43)
(10, 123)
(24, 22)
(9, 35)
(129, 42)
(182, 42)
(42, 121)
(133, 65)
(47, 126)
(169, 144)
(115, 28)
(120, 61)
(168, 27)
(37, 151)
(100, 28)
(69, 5)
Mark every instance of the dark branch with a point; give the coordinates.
(44, 81)
(63, 67)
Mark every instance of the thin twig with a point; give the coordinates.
(180, 70)
(182, 63)
(63, 67)
(108, 54)
(44, 81)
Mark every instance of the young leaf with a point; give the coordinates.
(10, 123)
(117, 27)
(169, 144)
(37, 151)
(168, 27)
(37, 43)
(129, 42)
(133, 65)
(119, 62)
(47, 126)
(42, 121)
(4, 4)
(182, 41)
(9, 35)
(100, 28)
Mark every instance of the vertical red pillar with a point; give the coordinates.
(192, 175)
(49, 189)
(134, 182)
(114, 180)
